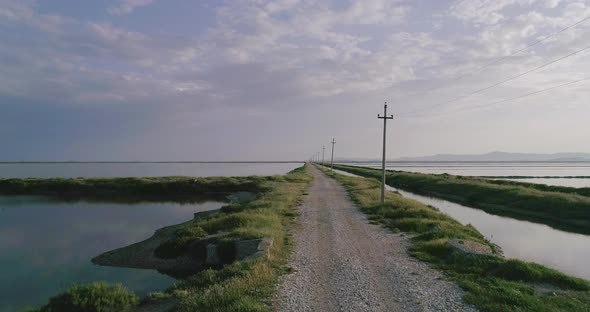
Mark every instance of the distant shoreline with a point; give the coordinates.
(154, 162)
(462, 161)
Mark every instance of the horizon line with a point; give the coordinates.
(145, 161)
(342, 160)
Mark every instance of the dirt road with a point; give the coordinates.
(343, 263)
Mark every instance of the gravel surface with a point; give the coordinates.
(343, 263)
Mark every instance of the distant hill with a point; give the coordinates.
(502, 156)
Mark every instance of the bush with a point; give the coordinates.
(195, 232)
(94, 297)
(176, 246)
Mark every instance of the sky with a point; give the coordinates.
(277, 80)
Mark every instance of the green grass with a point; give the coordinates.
(177, 247)
(94, 297)
(584, 191)
(491, 283)
(247, 286)
(241, 221)
(177, 189)
(559, 207)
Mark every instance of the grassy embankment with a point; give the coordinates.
(246, 286)
(535, 177)
(130, 190)
(562, 208)
(584, 191)
(491, 283)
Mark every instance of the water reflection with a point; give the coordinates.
(570, 182)
(533, 169)
(46, 246)
(567, 252)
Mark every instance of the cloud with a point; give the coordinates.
(128, 6)
(483, 11)
(552, 3)
(310, 42)
(307, 50)
(260, 50)
(260, 57)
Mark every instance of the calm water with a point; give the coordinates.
(72, 170)
(571, 182)
(533, 169)
(46, 246)
(567, 252)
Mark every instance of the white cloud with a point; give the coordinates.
(483, 11)
(257, 51)
(551, 4)
(311, 42)
(128, 6)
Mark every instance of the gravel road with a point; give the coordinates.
(343, 263)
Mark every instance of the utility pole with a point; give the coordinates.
(384, 117)
(332, 162)
(323, 152)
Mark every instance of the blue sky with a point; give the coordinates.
(258, 79)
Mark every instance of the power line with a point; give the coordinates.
(499, 83)
(528, 46)
(516, 97)
(499, 59)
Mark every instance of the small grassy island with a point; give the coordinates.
(157, 189)
(201, 252)
(563, 208)
(492, 282)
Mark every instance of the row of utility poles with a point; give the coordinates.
(316, 157)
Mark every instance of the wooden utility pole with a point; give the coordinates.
(332, 162)
(384, 117)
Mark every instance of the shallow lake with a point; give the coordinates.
(564, 251)
(47, 245)
(499, 169)
(72, 170)
(570, 182)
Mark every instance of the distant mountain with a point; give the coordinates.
(502, 156)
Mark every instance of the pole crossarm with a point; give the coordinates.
(384, 117)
